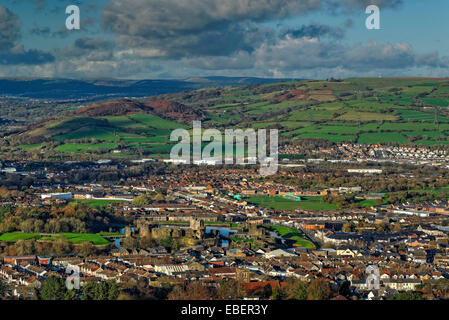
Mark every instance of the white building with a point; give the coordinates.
(63, 196)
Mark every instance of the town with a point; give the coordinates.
(156, 230)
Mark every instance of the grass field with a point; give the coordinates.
(84, 147)
(364, 111)
(294, 235)
(30, 146)
(75, 238)
(381, 137)
(16, 236)
(280, 203)
(372, 203)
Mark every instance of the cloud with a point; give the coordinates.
(40, 31)
(204, 37)
(196, 27)
(165, 18)
(87, 50)
(9, 28)
(345, 6)
(21, 56)
(315, 30)
(11, 51)
(310, 53)
(214, 27)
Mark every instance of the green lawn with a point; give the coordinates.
(99, 133)
(85, 147)
(86, 237)
(75, 238)
(371, 203)
(16, 236)
(30, 146)
(382, 137)
(281, 203)
(239, 240)
(337, 138)
(156, 122)
(293, 234)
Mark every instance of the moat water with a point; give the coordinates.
(225, 232)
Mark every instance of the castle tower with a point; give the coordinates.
(197, 226)
(243, 275)
(128, 232)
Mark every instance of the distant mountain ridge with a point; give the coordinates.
(100, 89)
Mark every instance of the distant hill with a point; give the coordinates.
(396, 111)
(119, 107)
(166, 109)
(91, 90)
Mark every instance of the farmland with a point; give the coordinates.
(364, 111)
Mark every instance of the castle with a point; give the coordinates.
(195, 234)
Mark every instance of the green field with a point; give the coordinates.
(365, 111)
(151, 121)
(15, 236)
(84, 147)
(75, 238)
(372, 203)
(294, 235)
(281, 203)
(144, 132)
(30, 146)
(381, 137)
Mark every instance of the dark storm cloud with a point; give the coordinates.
(181, 37)
(165, 18)
(28, 57)
(93, 44)
(9, 28)
(173, 28)
(196, 27)
(87, 49)
(315, 31)
(11, 51)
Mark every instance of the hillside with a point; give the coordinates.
(94, 90)
(113, 108)
(406, 111)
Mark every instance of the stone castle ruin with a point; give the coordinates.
(195, 234)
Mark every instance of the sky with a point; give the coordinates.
(177, 39)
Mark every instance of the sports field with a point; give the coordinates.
(281, 203)
(293, 234)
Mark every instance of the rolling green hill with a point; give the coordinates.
(366, 111)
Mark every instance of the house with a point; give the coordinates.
(347, 251)
(402, 284)
(52, 196)
(169, 270)
(279, 253)
(19, 260)
(224, 272)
